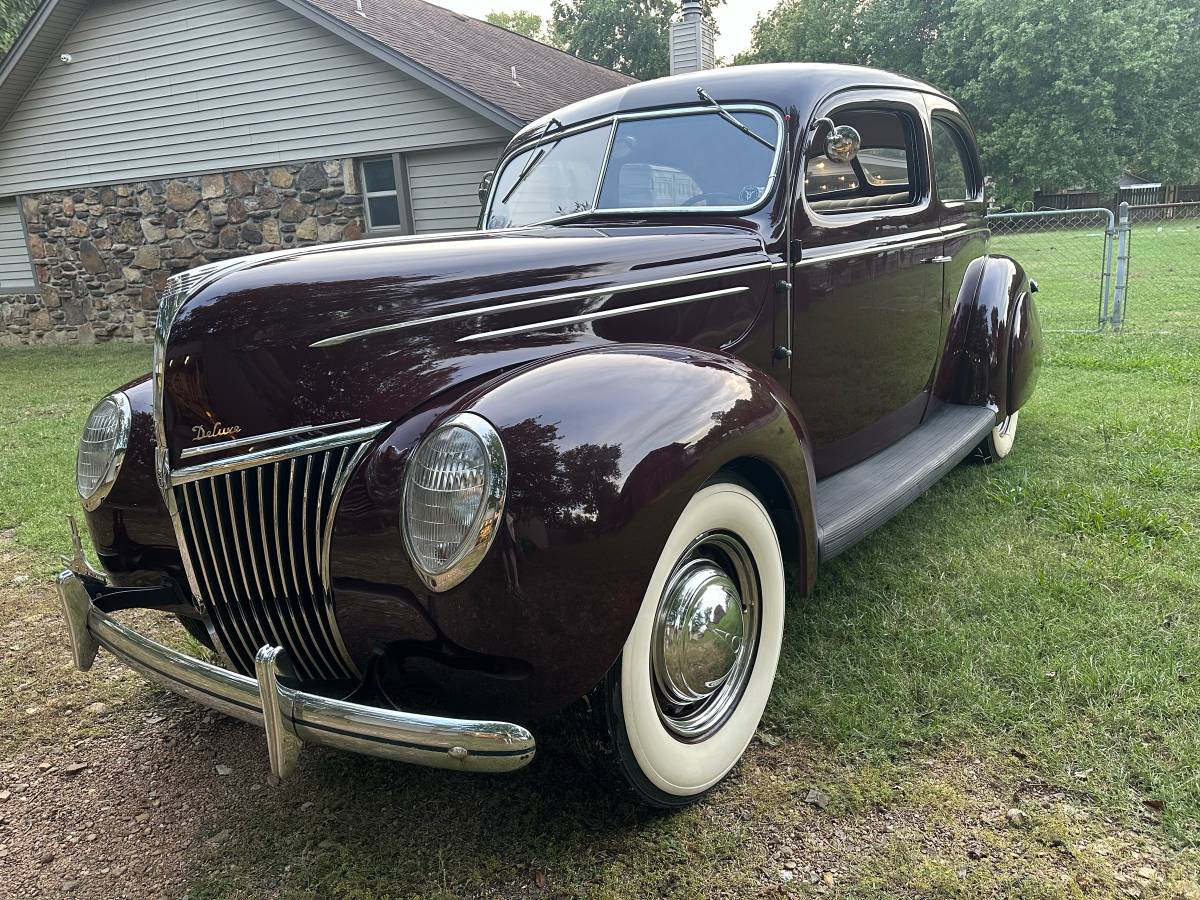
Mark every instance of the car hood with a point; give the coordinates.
(366, 332)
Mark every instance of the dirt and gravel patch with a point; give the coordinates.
(110, 787)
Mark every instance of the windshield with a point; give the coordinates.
(691, 162)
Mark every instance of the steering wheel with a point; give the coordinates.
(730, 199)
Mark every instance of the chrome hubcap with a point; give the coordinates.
(705, 635)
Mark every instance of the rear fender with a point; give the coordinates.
(994, 343)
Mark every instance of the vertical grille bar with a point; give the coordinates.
(211, 597)
(265, 546)
(302, 611)
(259, 540)
(206, 561)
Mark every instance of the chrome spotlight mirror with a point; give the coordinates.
(485, 186)
(842, 143)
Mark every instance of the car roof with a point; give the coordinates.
(794, 87)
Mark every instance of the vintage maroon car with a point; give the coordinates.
(417, 493)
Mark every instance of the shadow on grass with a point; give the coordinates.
(347, 825)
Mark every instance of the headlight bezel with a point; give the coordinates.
(486, 523)
(124, 412)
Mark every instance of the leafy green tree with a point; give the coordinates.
(1062, 92)
(631, 36)
(13, 16)
(521, 21)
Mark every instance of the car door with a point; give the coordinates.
(958, 195)
(867, 285)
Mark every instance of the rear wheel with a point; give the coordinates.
(680, 705)
(999, 443)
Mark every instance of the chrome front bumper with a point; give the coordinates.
(291, 717)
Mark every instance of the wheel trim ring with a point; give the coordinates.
(695, 722)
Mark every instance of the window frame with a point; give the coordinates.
(33, 286)
(900, 101)
(402, 194)
(613, 122)
(967, 152)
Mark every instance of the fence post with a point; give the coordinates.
(1106, 268)
(1122, 277)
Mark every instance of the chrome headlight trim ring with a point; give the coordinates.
(487, 519)
(121, 443)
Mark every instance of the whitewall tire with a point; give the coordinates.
(999, 443)
(684, 700)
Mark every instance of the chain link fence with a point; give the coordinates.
(1071, 255)
(1139, 268)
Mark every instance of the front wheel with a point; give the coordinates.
(682, 702)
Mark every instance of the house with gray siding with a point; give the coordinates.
(143, 137)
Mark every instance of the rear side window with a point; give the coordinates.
(883, 175)
(952, 169)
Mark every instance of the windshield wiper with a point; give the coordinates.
(733, 120)
(533, 162)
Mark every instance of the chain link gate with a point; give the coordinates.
(1163, 266)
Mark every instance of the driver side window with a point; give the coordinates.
(881, 176)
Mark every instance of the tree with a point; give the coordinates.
(13, 16)
(1063, 93)
(631, 36)
(521, 21)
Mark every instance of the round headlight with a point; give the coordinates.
(102, 449)
(453, 496)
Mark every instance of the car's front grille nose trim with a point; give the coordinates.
(274, 518)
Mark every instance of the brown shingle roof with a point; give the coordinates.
(478, 56)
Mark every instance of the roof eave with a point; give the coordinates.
(409, 66)
(16, 52)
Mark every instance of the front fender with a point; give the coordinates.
(994, 343)
(605, 448)
(131, 529)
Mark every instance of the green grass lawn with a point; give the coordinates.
(1042, 615)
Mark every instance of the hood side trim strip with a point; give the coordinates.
(589, 294)
(601, 314)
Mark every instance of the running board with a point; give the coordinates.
(854, 502)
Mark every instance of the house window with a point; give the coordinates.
(16, 269)
(385, 192)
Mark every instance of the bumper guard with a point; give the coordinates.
(290, 717)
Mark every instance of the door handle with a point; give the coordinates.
(938, 259)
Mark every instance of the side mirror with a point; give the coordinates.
(842, 143)
(485, 186)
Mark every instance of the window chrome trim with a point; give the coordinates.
(189, 452)
(274, 454)
(614, 122)
(124, 422)
(588, 294)
(487, 520)
(601, 314)
(883, 98)
(883, 245)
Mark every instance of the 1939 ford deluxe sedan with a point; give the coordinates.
(416, 494)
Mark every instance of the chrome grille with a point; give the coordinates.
(256, 538)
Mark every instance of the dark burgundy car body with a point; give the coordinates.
(843, 341)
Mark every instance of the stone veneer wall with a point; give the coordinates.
(102, 254)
